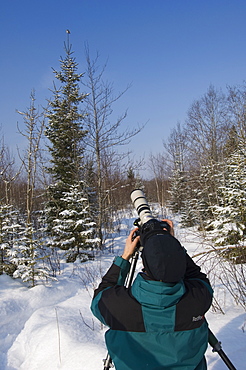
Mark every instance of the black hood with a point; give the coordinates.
(163, 257)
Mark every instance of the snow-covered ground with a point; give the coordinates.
(51, 327)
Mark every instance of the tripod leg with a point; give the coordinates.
(108, 363)
(216, 345)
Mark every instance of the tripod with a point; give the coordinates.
(212, 340)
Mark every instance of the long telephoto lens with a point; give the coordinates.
(141, 205)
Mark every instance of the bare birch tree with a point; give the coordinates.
(28, 251)
(104, 132)
(158, 165)
(207, 127)
(34, 127)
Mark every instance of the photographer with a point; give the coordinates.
(158, 322)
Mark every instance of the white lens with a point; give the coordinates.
(141, 205)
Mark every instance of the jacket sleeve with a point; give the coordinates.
(192, 307)
(116, 275)
(193, 272)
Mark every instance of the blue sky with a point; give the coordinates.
(169, 50)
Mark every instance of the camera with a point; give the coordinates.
(164, 259)
(146, 222)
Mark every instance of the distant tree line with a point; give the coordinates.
(64, 197)
(208, 154)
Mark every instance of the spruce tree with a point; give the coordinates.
(27, 255)
(230, 213)
(65, 130)
(21, 256)
(65, 133)
(74, 229)
(177, 189)
(9, 231)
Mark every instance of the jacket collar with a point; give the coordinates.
(156, 293)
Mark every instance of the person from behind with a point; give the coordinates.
(159, 322)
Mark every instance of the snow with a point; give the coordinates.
(51, 327)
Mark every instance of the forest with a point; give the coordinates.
(63, 199)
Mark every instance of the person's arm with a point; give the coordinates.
(193, 272)
(131, 244)
(118, 271)
(116, 274)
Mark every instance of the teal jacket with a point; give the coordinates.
(154, 325)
